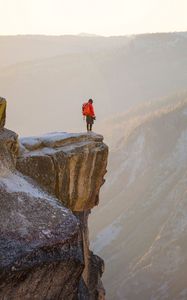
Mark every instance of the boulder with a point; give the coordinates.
(9, 148)
(39, 246)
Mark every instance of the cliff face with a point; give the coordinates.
(143, 238)
(44, 248)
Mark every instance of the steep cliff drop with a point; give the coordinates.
(48, 185)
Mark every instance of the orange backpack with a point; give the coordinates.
(85, 109)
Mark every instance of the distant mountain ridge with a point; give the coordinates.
(59, 73)
(138, 116)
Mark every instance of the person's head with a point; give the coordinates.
(90, 101)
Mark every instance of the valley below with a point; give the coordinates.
(140, 228)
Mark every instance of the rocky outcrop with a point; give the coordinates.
(44, 248)
(71, 167)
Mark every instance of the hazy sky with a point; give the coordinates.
(104, 17)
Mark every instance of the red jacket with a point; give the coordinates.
(90, 110)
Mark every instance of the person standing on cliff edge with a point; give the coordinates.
(88, 112)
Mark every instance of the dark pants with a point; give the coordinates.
(89, 122)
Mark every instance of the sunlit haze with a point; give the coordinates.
(102, 17)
